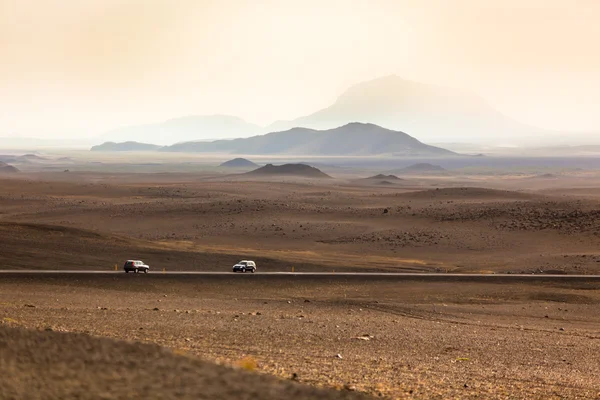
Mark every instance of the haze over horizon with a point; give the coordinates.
(78, 69)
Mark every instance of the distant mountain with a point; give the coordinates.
(125, 146)
(239, 163)
(7, 169)
(429, 112)
(297, 170)
(185, 129)
(421, 168)
(351, 139)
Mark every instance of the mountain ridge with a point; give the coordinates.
(350, 139)
(434, 113)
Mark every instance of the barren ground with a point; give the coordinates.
(198, 222)
(400, 338)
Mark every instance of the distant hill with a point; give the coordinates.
(31, 157)
(420, 168)
(297, 170)
(239, 163)
(544, 176)
(349, 140)
(125, 146)
(380, 180)
(207, 127)
(429, 112)
(385, 177)
(24, 159)
(7, 169)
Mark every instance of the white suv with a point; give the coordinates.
(136, 266)
(244, 266)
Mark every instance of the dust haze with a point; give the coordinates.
(417, 184)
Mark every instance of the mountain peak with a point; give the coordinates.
(428, 111)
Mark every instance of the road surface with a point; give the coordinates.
(357, 276)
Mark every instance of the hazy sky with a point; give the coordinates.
(80, 67)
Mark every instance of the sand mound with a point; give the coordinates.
(239, 163)
(297, 170)
(468, 193)
(52, 365)
(7, 169)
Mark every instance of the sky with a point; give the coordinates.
(77, 68)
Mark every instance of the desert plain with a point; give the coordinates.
(527, 326)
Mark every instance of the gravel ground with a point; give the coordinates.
(395, 338)
(50, 365)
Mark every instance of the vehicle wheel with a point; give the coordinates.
(252, 270)
(135, 270)
(146, 270)
(244, 270)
